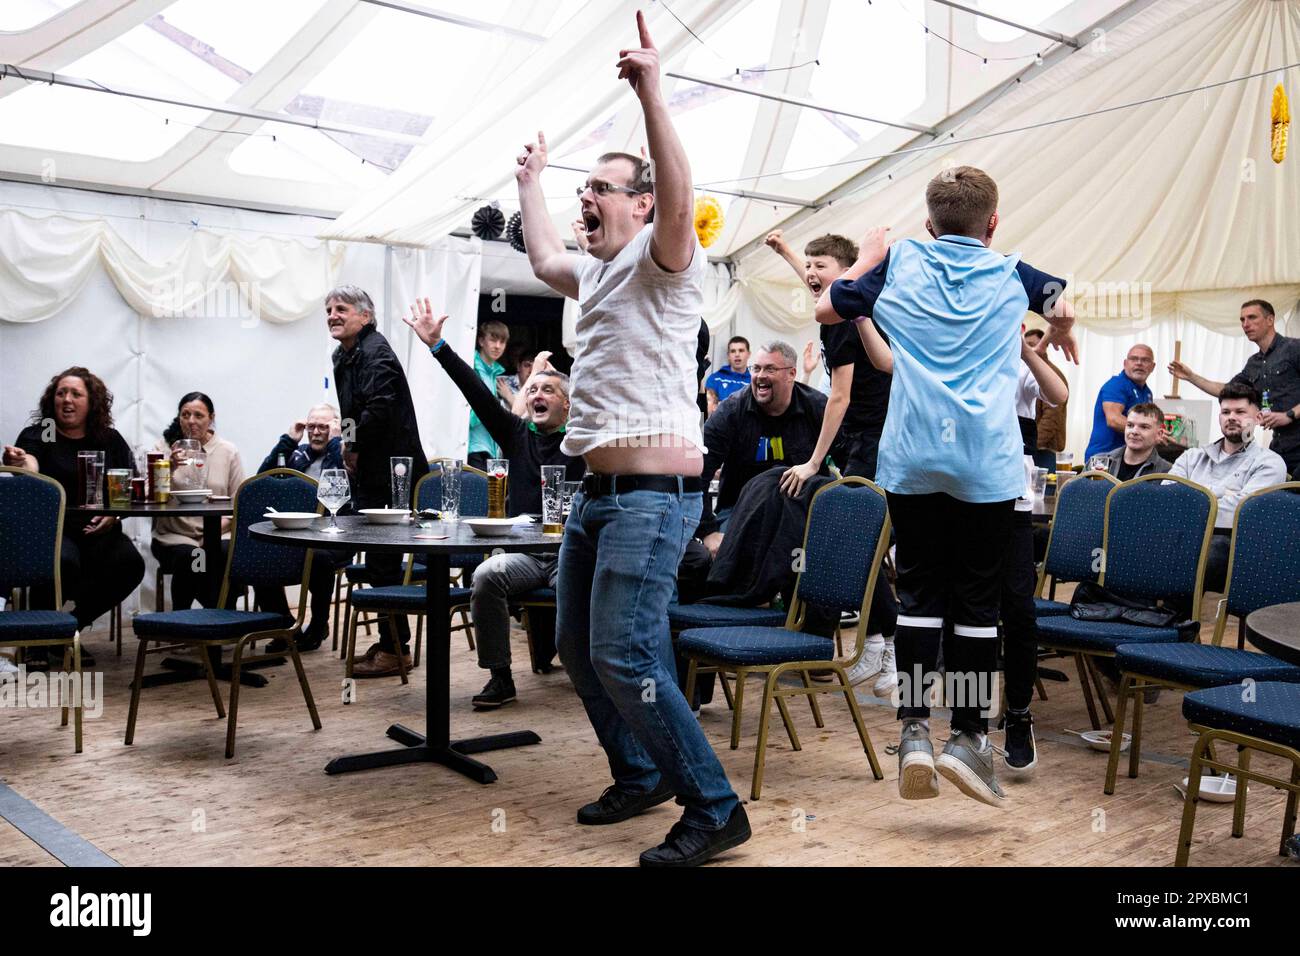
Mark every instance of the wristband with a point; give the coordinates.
(437, 345)
(1290, 413)
(860, 318)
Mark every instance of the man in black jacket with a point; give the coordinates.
(378, 423)
(528, 443)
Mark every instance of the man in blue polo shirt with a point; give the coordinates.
(1117, 396)
(950, 456)
(734, 378)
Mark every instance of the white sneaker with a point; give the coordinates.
(868, 665)
(887, 683)
(7, 666)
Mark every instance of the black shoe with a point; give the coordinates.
(615, 805)
(498, 692)
(1022, 755)
(313, 637)
(686, 845)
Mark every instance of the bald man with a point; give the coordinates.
(1117, 396)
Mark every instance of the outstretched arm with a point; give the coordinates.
(1206, 385)
(546, 253)
(1051, 386)
(673, 242)
(776, 242)
(871, 253)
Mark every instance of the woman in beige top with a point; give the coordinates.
(177, 542)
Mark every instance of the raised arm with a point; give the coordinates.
(878, 350)
(1206, 385)
(673, 241)
(546, 253)
(776, 242)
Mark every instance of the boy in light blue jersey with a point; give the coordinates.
(951, 454)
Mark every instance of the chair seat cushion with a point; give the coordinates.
(36, 626)
(1202, 665)
(1046, 608)
(534, 596)
(755, 645)
(208, 624)
(681, 617)
(402, 597)
(1271, 711)
(1065, 631)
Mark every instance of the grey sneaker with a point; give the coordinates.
(971, 769)
(916, 777)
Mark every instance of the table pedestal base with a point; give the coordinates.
(453, 755)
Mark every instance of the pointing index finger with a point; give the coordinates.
(646, 42)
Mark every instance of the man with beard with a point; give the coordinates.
(635, 421)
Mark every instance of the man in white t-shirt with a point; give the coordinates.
(635, 421)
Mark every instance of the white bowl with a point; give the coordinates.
(292, 520)
(491, 527)
(384, 515)
(1100, 740)
(1216, 789)
(192, 494)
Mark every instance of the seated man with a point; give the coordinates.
(1142, 430)
(322, 450)
(1232, 467)
(528, 444)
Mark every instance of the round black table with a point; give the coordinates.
(211, 512)
(1276, 630)
(437, 543)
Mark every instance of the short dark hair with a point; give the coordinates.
(1265, 306)
(643, 179)
(738, 338)
(840, 248)
(1239, 390)
(1150, 409)
(961, 201)
(1037, 332)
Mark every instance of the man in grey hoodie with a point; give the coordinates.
(1232, 468)
(1138, 455)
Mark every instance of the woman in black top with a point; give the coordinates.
(99, 565)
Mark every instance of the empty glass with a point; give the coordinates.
(552, 500)
(400, 477)
(333, 492)
(567, 490)
(1040, 482)
(186, 472)
(450, 490)
(90, 478)
(1098, 463)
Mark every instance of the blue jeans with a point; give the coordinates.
(618, 571)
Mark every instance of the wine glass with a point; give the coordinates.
(333, 492)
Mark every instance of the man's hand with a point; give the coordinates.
(542, 363)
(793, 480)
(1180, 371)
(423, 324)
(874, 246)
(809, 357)
(297, 429)
(713, 542)
(101, 525)
(1064, 341)
(350, 461)
(640, 67)
(336, 428)
(580, 234)
(532, 160)
(1274, 419)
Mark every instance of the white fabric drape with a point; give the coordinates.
(46, 260)
(1172, 211)
(447, 274)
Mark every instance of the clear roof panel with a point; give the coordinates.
(300, 154)
(225, 26)
(16, 15)
(1029, 12)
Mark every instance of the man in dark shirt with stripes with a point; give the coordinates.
(528, 443)
(1273, 371)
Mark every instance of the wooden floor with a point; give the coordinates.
(172, 798)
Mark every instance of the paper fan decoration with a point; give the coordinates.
(515, 232)
(1281, 124)
(708, 220)
(488, 222)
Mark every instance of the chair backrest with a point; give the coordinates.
(1157, 539)
(253, 562)
(473, 490)
(845, 539)
(31, 529)
(1077, 528)
(1264, 564)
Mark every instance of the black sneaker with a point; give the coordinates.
(1022, 755)
(616, 805)
(496, 693)
(686, 845)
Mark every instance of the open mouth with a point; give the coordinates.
(815, 285)
(540, 409)
(591, 222)
(762, 390)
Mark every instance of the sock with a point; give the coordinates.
(875, 640)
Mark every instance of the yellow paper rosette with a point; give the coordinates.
(1281, 124)
(708, 220)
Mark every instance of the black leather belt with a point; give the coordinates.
(596, 485)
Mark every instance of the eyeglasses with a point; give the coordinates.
(768, 369)
(602, 188)
(318, 428)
